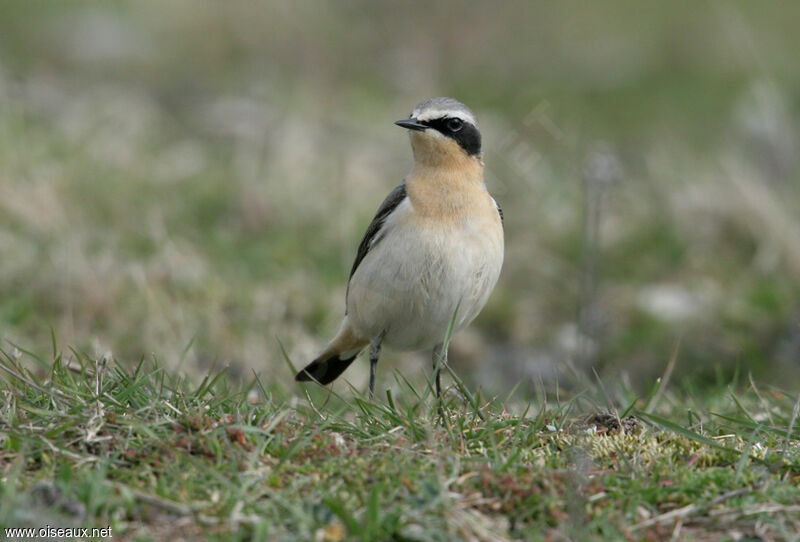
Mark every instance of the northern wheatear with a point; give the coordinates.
(434, 247)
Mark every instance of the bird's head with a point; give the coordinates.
(443, 131)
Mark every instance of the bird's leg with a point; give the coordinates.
(374, 354)
(439, 358)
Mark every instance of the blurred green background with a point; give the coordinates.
(200, 173)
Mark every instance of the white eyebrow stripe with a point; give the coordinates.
(430, 114)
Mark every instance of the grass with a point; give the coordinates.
(89, 443)
(167, 174)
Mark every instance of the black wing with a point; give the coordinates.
(500, 211)
(389, 204)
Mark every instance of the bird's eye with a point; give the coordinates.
(454, 125)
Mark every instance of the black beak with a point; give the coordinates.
(412, 124)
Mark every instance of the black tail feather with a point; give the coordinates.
(325, 370)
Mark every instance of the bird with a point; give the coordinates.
(431, 255)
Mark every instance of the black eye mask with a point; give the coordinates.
(464, 133)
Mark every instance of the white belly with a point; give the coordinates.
(411, 283)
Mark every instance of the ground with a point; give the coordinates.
(90, 444)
